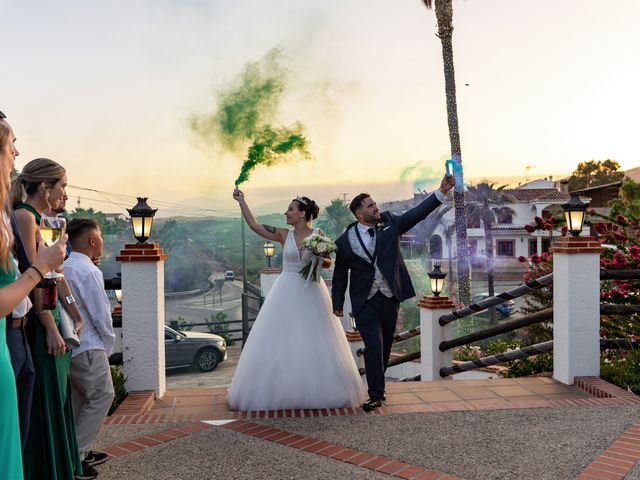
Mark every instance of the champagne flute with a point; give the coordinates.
(51, 230)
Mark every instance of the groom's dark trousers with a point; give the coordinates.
(376, 316)
(376, 323)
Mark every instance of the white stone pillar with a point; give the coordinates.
(576, 308)
(538, 245)
(431, 334)
(143, 317)
(268, 277)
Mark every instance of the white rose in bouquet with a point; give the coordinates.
(319, 245)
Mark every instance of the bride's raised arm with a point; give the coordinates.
(265, 231)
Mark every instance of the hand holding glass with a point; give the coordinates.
(52, 229)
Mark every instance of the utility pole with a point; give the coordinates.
(244, 256)
(526, 172)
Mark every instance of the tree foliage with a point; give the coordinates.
(108, 226)
(594, 173)
(628, 201)
(335, 219)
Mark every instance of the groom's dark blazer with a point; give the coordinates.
(389, 258)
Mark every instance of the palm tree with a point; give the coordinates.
(484, 202)
(444, 15)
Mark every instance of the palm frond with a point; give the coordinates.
(427, 3)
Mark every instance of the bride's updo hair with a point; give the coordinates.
(308, 206)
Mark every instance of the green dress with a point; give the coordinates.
(52, 446)
(10, 449)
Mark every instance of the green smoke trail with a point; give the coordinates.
(247, 106)
(272, 146)
(244, 114)
(420, 174)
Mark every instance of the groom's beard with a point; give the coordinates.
(374, 218)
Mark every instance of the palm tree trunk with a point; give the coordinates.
(444, 14)
(488, 235)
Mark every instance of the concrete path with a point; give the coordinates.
(493, 429)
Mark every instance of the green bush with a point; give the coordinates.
(622, 368)
(120, 393)
(220, 327)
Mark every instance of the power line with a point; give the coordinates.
(115, 198)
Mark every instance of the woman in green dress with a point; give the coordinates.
(39, 187)
(12, 291)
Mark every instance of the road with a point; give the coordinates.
(200, 308)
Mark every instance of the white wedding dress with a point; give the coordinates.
(297, 355)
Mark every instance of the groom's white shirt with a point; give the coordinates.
(379, 282)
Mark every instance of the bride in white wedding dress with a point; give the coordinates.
(297, 354)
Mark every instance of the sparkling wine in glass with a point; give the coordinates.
(51, 230)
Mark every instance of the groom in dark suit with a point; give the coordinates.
(370, 250)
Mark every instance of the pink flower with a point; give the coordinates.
(600, 227)
(522, 259)
(538, 220)
(548, 227)
(535, 259)
(603, 332)
(622, 220)
(530, 228)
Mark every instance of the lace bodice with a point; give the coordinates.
(292, 259)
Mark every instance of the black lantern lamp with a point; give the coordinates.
(269, 249)
(437, 279)
(574, 213)
(142, 219)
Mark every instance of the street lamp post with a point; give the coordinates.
(142, 220)
(574, 213)
(269, 249)
(437, 277)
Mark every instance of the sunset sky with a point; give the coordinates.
(107, 88)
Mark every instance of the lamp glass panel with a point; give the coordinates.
(577, 220)
(118, 295)
(148, 222)
(269, 249)
(137, 223)
(436, 285)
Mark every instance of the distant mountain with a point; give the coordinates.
(633, 174)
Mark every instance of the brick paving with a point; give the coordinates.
(199, 404)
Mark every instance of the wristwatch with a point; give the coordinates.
(69, 299)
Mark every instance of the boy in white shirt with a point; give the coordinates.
(91, 384)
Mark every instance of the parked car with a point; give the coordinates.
(202, 350)
(229, 276)
(503, 310)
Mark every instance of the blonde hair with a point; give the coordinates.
(32, 175)
(6, 232)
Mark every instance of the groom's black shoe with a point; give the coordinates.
(371, 404)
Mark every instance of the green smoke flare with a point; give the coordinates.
(272, 146)
(247, 106)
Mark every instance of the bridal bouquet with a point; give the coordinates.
(320, 246)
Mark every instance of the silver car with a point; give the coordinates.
(202, 350)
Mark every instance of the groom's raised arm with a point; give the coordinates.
(418, 213)
(339, 282)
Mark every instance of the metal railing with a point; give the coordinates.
(516, 292)
(525, 321)
(497, 359)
